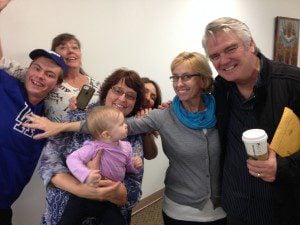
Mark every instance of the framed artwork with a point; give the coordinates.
(286, 40)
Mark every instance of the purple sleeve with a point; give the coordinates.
(77, 160)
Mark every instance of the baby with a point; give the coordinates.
(107, 127)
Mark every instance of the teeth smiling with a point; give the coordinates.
(37, 83)
(119, 106)
(229, 68)
(182, 90)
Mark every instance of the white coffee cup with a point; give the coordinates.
(255, 141)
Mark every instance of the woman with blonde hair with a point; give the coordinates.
(191, 143)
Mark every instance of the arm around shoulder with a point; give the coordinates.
(149, 146)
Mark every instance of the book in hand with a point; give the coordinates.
(286, 140)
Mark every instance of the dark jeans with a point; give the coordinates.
(5, 216)
(170, 221)
(78, 209)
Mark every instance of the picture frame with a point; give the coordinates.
(286, 40)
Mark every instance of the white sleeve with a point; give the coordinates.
(13, 68)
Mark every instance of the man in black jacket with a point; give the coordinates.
(251, 91)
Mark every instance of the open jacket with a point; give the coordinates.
(280, 88)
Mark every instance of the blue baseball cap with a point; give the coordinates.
(51, 55)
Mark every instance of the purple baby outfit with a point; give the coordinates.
(115, 160)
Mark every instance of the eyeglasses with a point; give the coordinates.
(119, 91)
(184, 77)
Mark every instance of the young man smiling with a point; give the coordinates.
(19, 153)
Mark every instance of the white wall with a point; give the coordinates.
(141, 35)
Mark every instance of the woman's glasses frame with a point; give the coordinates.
(184, 77)
(119, 92)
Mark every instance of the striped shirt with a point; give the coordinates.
(244, 197)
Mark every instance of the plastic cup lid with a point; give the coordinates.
(254, 134)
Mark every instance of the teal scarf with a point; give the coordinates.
(198, 120)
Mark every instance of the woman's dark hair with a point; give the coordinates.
(131, 79)
(62, 38)
(157, 88)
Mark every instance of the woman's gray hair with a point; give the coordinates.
(227, 24)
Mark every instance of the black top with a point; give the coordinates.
(278, 87)
(244, 196)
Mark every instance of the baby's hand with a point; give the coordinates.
(93, 178)
(137, 162)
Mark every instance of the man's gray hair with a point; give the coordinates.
(227, 24)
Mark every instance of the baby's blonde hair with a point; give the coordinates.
(102, 118)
